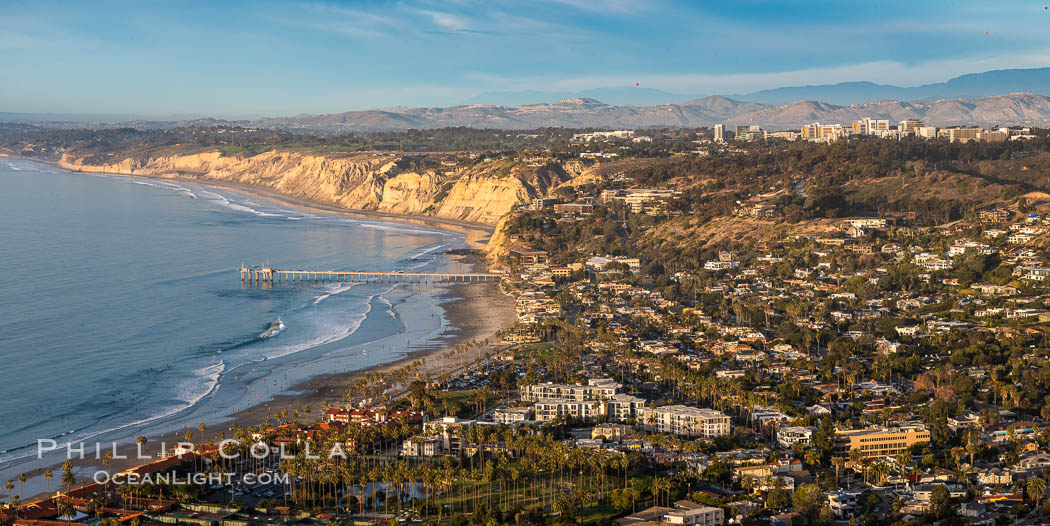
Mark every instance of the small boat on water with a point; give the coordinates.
(274, 329)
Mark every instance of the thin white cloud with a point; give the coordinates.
(447, 21)
(623, 7)
(337, 19)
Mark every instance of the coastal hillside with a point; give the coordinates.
(480, 192)
(1026, 108)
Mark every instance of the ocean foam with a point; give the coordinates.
(427, 251)
(190, 392)
(335, 334)
(334, 290)
(221, 200)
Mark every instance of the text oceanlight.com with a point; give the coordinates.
(191, 479)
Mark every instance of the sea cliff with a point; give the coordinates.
(478, 192)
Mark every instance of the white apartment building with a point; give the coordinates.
(421, 447)
(511, 415)
(869, 126)
(445, 431)
(938, 264)
(583, 410)
(624, 407)
(927, 132)
(909, 126)
(596, 389)
(818, 132)
(685, 421)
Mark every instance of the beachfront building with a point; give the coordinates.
(685, 421)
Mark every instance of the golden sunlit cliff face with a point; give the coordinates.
(479, 193)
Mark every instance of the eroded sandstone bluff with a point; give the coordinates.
(480, 192)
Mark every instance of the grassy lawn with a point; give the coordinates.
(536, 351)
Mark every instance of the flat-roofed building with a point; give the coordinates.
(927, 132)
(685, 421)
(421, 447)
(445, 430)
(510, 415)
(529, 257)
(702, 516)
(720, 133)
(788, 436)
(574, 209)
(869, 126)
(624, 407)
(877, 442)
(596, 389)
(963, 134)
(910, 126)
(611, 432)
(581, 410)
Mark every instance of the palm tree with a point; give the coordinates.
(22, 481)
(68, 478)
(812, 457)
(881, 470)
(15, 504)
(838, 462)
(98, 502)
(47, 476)
(66, 510)
(1036, 489)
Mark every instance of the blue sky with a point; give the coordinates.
(237, 59)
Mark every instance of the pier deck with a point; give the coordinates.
(258, 274)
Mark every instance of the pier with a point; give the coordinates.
(256, 274)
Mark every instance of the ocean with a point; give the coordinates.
(122, 311)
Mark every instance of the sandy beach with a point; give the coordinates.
(473, 312)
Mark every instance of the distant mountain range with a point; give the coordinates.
(1009, 97)
(989, 83)
(974, 85)
(1011, 109)
(629, 95)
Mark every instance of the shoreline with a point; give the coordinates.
(475, 234)
(462, 304)
(472, 313)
